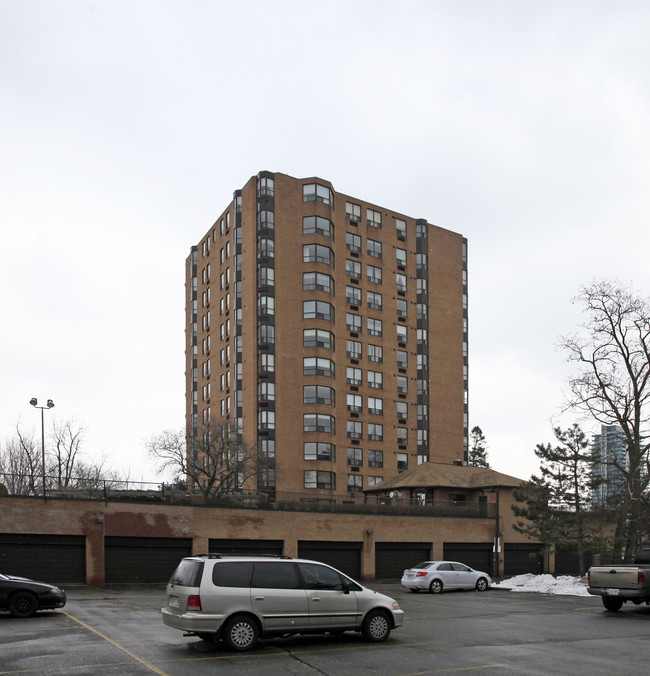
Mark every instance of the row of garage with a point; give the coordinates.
(62, 558)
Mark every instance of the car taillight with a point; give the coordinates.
(421, 573)
(641, 577)
(194, 602)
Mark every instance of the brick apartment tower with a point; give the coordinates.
(332, 332)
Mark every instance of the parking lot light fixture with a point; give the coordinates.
(50, 404)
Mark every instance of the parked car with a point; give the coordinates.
(238, 599)
(22, 597)
(619, 583)
(437, 576)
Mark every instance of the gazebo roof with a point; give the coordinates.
(439, 475)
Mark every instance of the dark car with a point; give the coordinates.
(22, 597)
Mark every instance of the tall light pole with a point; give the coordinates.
(50, 404)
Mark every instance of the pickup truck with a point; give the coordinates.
(618, 583)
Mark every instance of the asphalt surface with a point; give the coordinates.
(118, 630)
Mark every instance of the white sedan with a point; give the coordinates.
(438, 575)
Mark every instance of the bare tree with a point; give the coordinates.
(21, 464)
(218, 461)
(67, 438)
(613, 387)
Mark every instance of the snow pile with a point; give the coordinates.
(545, 584)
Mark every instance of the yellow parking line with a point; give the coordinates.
(117, 645)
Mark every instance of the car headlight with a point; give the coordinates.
(395, 605)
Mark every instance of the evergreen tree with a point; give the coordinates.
(558, 501)
(477, 448)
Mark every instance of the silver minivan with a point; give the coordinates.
(238, 599)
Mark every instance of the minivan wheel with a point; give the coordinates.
(481, 584)
(240, 633)
(376, 626)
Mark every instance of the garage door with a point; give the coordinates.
(250, 547)
(567, 562)
(346, 556)
(392, 558)
(144, 560)
(59, 559)
(477, 555)
(523, 558)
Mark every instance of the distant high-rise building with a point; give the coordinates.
(332, 332)
(609, 448)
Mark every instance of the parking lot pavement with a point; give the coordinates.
(119, 630)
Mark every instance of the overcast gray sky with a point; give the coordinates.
(125, 126)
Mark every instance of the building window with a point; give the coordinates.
(402, 307)
(423, 386)
(374, 218)
(353, 295)
(353, 376)
(423, 412)
(355, 402)
(266, 420)
(266, 448)
(265, 248)
(400, 281)
(375, 353)
(352, 322)
(314, 192)
(402, 410)
(353, 269)
(423, 437)
(352, 241)
(317, 281)
(313, 450)
(265, 187)
(266, 362)
(402, 359)
(374, 300)
(401, 333)
(318, 422)
(400, 226)
(319, 479)
(402, 461)
(318, 394)
(402, 384)
(353, 211)
(375, 458)
(265, 220)
(423, 336)
(421, 285)
(317, 225)
(317, 366)
(317, 253)
(421, 261)
(355, 429)
(376, 380)
(374, 327)
(422, 361)
(317, 309)
(265, 391)
(375, 432)
(401, 257)
(375, 406)
(318, 338)
(355, 457)
(353, 349)
(374, 248)
(266, 277)
(422, 310)
(355, 483)
(374, 480)
(266, 306)
(374, 274)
